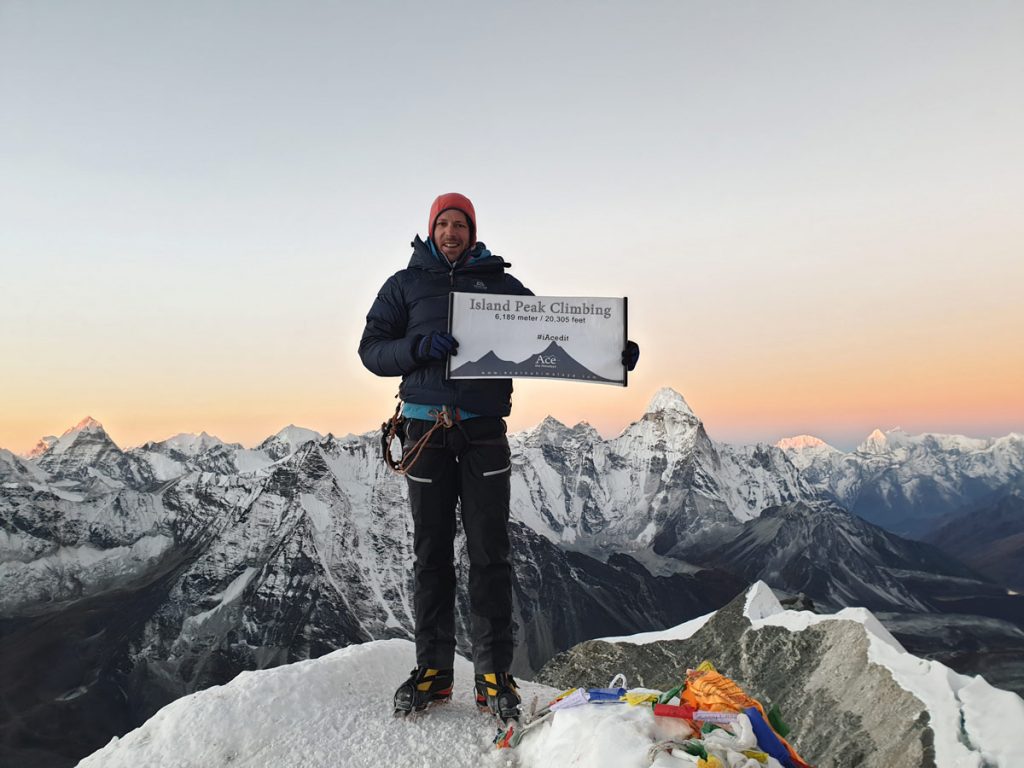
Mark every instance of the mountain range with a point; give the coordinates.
(909, 483)
(163, 569)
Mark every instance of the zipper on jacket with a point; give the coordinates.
(449, 384)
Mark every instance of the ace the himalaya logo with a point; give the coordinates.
(546, 361)
(526, 305)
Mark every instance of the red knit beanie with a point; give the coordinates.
(447, 202)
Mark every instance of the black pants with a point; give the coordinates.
(470, 463)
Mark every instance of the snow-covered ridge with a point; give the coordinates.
(992, 720)
(44, 444)
(895, 439)
(975, 724)
(334, 711)
(801, 442)
(189, 443)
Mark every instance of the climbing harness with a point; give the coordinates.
(390, 429)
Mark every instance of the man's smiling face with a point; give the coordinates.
(452, 234)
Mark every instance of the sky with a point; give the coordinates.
(813, 208)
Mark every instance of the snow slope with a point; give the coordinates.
(333, 711)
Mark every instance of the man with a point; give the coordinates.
(464, 458)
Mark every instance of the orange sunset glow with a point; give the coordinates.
(818, 233)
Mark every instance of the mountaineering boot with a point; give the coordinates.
(496, 692)
(424, 686)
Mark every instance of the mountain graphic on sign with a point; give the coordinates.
(553, 362)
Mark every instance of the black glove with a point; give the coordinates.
(435, 345)
(630, 355)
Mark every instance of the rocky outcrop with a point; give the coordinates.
(845, 710)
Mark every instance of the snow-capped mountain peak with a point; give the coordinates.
(876, 442)
(296, 436)
(801, 442)
(805, 450)
(667, 399)
(87, 427)
(85, 453)
(890, 441)
(191, 444)
(86, 424)
(288, 441)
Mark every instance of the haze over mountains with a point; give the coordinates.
(166, 568)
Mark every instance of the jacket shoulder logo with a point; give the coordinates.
(480, 285)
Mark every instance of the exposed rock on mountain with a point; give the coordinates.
(852, 693)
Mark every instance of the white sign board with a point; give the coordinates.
(542, 337)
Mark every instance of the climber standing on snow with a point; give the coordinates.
(464, 459)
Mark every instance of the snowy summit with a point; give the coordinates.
(87, 428)
(191, 444)
(297, 436)
(667, 399)
(801, 442)
(88, 424)
(336, 710)
(876, 442)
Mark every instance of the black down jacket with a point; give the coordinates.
(412, 303)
